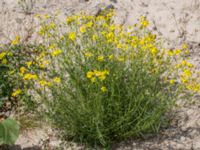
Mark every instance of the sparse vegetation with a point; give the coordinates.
(111, 82)
(96, 81)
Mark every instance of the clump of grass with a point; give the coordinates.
(105, 82)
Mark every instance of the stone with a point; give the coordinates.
(114, 1)
(82, 1)
(55, 143)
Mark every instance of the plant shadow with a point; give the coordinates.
(18, 147)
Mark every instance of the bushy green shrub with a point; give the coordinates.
(19, 67)
(114, 82)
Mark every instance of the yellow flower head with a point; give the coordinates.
(102, 77)
(29, 76)
(106, 72)
(16, 40)
(56, 80)
(44, 64)
(110, 37)
(45, 83)
(52, 46)
(171, 53)
(184, 63)
(112, 27)
(187, 73)
(2, 55)
(184, 46)
(144, 22)
(93, 79)
(52, 26)
(110, 57)
(29, 63)
(88, 54)
(100, 18)
(195, 87)
(190, 65)
(119, 45)
(82, 29)
(177, 51)
(100, 58)
(16, 93)
(4, 61)
(121, 59)
(46, 16)
(89, 24)
(101, 74)
(94, 37)
(90, 74)
(171, 81)
(22, 70)
(154, 50)
(72, 36)
(187, 52)
(56, 52)
(97, 73)
(103, 89)
(37, 15)
(183, 79)
(69, 20)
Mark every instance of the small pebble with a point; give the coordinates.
(114, 1)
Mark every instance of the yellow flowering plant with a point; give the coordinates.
(21, 66)
(114, 82)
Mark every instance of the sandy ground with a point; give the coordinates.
(176, 21)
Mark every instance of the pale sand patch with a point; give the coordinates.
(176, 21)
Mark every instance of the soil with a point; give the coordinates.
(176, 21)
